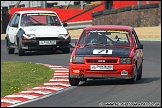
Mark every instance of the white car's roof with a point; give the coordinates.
(34, 11)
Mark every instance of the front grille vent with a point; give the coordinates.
(101, 61)
(47, 38)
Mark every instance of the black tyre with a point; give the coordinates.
(74, 81)
(53, 51)
(66, 50)
(83, 79)
(21, 52)
(9, 49)
(139, 76)
(134, 79)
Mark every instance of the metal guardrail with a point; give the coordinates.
(78, 25)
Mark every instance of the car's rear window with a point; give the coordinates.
(108, 37)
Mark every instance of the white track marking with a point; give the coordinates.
(56, 66)
(62, 84)
(59, 80)
(10, 101)
(22, 95)
(39, 92)
(59, 76)
(64, 74)
(61, 70)
(51, 88)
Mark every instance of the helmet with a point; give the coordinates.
(92, 37)
(26, 20)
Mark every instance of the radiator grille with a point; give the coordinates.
(101, 61)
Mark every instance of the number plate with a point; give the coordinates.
(47, 42)
(101, 67)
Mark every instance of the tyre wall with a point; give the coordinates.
(138, 16)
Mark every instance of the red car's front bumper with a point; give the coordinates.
(84, 71)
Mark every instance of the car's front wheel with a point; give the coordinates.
(53, 51)
(139, 77)
(74, 81)
(21, 52)
(66, 50)
(134, 78)
(9, 49)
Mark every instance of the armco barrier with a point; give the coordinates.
(78, 25)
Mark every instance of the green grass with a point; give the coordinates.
(18, 76)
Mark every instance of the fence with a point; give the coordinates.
(78, 25)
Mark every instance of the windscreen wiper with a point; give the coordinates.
(121, 44)
(55, 24)
(91, 44)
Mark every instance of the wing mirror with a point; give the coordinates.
(72, 45)
(65, 24)
(139, 46)
(15, 25)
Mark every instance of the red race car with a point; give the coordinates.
(106, 51)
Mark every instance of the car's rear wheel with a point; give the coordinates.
(21, 52)
(66, 50)
(139, 77)
(134, 78)
(9, 49)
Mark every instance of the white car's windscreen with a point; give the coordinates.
(40, 19)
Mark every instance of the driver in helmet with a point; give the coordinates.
(26, 21)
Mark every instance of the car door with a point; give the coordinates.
(139, 52)
(15, 29)
(12, 31)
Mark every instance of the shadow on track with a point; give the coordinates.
(100, 82)
(45, 52)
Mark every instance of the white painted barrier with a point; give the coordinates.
(78, 25)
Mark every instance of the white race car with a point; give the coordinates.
(35, 30)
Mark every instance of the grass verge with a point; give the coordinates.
(18, 76)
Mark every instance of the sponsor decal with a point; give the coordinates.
(101, 67)
(98, 31)
(47, 14)
(118, 31)
(30, 14)
(33, 30)
(124, 72)
(102, 51)
(101, 60)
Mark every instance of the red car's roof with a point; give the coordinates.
(113, 27)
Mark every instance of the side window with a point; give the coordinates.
(17, 19)
(136, 37)
(12, 20)
(54, 19)
(82, 38)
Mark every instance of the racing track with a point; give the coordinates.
(92, 93)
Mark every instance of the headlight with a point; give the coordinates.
(125, 60)
(71, 58)
(65, 36)
(78, 59)
(29, 36)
